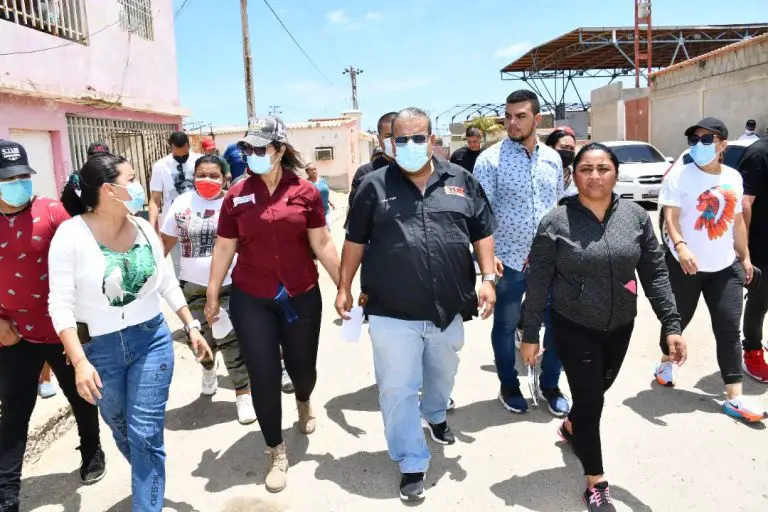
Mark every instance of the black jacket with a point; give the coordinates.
(589, 269)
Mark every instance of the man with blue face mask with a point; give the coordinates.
(27, 336)
(419, 216)
(384, 129)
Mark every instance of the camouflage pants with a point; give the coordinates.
(229, 348)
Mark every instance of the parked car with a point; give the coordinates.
(641, 168)
(731, 158)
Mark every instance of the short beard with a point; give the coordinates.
(524, 137)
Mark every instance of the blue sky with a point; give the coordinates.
(426, 53)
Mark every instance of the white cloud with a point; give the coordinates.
(513, 50)
(373, 16)
(338, 17)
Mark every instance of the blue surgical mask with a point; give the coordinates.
(136, 202)
(260, 164)
(388, 148)
(17, 192)
(703, 154)
(412, 157)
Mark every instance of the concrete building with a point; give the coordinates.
(730, 83)
(337, 146)
(619, 113)
(77, 71)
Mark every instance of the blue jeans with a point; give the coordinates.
(136, 366)
(409, 356)
(509, 295)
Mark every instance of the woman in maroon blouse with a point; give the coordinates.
(274, 221)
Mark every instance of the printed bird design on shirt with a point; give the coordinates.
(718, 209)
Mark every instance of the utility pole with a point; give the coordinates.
(352, 72)
(248, 63)
(274, 110)
(643, 56)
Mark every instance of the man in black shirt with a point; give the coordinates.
(418, 217)
(467, 155)
(754, 171)
(384, 129)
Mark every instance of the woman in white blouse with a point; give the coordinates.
(107, 273)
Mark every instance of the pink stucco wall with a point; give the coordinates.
(25, 113)
(96, 70)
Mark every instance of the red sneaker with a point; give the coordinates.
(755, 365)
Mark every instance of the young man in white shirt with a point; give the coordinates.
(708, 255)
(172, 175)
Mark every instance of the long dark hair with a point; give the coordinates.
(291, 159)
(81, 192)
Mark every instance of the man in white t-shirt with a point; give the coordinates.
(172, 175)
(708, 254)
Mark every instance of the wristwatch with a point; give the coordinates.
(490, 278)
(194, 324)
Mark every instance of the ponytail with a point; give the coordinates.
(81, 192)
(70, 196)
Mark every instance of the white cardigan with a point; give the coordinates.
(76, 268)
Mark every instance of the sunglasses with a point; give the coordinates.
(704, 139)
(417, 139)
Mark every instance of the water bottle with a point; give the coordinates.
(351, 329)
(222, 325)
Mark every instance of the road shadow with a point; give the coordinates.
(245, 462)
(478, 416)
(659, 401)
(490, 368)
(201, 413)
(375, 476)
(56, 489)
(557, 489)
(365, 400)
(125, 506)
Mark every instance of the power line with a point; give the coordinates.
(181, 8)
(26, 52)
(300, 48)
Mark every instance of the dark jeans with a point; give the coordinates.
(592, 360)
(262, 330)
(509, 295)
(724, 294)
(755, 309)
(20, 367)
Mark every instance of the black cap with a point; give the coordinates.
(97, 147)
(13, 160)
(712, 124)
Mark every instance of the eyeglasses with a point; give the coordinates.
(417, 139)
(704, 139)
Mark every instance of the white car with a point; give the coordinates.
(641, 168)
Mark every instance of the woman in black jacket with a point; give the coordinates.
(586, 253)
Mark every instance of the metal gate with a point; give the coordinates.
(142, 144)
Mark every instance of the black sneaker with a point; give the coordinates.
(94, 465)
(412, 487)
(598, 498)
(440, 432)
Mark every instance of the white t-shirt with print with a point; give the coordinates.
(708, 206)
(167, 178)
(193, 220)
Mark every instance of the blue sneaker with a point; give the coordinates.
(557, 401)
(513, 401)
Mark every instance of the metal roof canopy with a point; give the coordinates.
(466, 112)
(605, 52)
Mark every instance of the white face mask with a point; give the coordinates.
(388, 148)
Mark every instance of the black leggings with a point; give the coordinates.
(20, 367)
(724, 294)
(262, 330)
(592, 360)
(754, 312)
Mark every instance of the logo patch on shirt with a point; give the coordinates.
(250, 198)
(454, 191)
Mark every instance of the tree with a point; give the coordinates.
(487, 125)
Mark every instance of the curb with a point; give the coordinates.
(43, 436)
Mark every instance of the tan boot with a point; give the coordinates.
(306, 418)
(278, 468)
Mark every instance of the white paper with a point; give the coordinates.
(351, 329)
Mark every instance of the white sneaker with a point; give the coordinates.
(665, 374)
(210, 381)
(246, 414)
(518, 338)
(46, 389)
(286, 385)
(744, 408)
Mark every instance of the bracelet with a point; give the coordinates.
(74, 365)
(680, 242)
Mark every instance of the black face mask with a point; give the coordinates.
(181, 159)
(567, 156)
